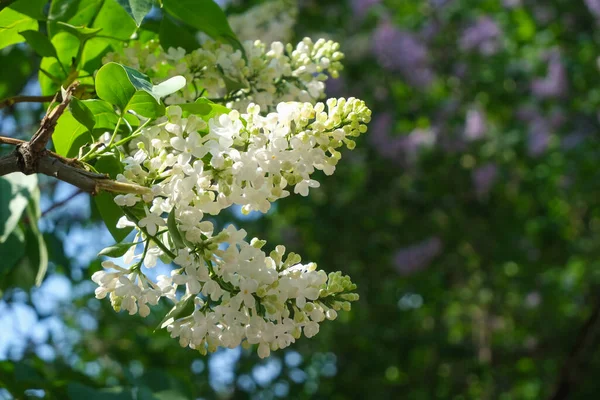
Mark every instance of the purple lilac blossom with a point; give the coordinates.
(511, 3)
(594, 7)
(484, 178)
(554, 84)
(540, 128)
(403, 52)
(418, 256)
(360, 8)
(543, 14)
(475, 124)
(401, 149)
(483, 36)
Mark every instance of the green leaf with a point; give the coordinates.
(109, 164)
(203, 108)
(16, 67)
(111, 213)
(80, 32)
(138, 9)
(105, 202)
(66, 46)
(128, 89)
(113, 85)
(146, 105)
(173, 35)
(72, 12)
(174, 230)
(205, 15)
(16, 190)
(182, 309)
(104, 114)
(33, 213)
(115, 23)
(116, 250)
(82, 113)
(13, 22)
(77, 391)
(12, 250)
(39, 43)
(31, 8)
(70, 135)
(118, 85)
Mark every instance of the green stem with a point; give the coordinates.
(160, 244)
(138, 266)
(93, 154)
(121, 142)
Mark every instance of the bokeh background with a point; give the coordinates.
(468, 216)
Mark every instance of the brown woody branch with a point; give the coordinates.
(24, 99)
(585, 344)
(33, 157)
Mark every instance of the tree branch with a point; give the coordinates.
(89, 182)
(61, 203)
(33, 157)
(24, 99)
(584, 346)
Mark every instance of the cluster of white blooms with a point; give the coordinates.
(268, 22)
(236, 293)
(264, 74)
(244, 159)
(268, 142)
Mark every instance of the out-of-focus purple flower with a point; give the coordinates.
(572, 140)
(533, 299)
(402, 149)
(594, 7)
(360, 8)
(475, 124)
(439, 3)
(402, 52)
(540, 128)
(555, 83)
(511, 3)
(543, 14)
(539, 136)
(482, 36)
(336, 87)
(380, 137)
(484, 178)
(418, 256)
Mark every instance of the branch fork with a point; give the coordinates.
(33, 157)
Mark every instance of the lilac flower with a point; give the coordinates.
(539, 136)
(402, 52)
(554, 84)
(475, 125)
(484, 178)
(540, 128)
(402, 149)
(594, 7)
(380, 137)
(417, 256)
(572, 140)
(483, 36)
(360, 8)
(511, 3)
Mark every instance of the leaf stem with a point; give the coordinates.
(160, 244)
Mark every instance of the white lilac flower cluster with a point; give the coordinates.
(235, 296)
(236, 293)
(268, 22)
(263, 74)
